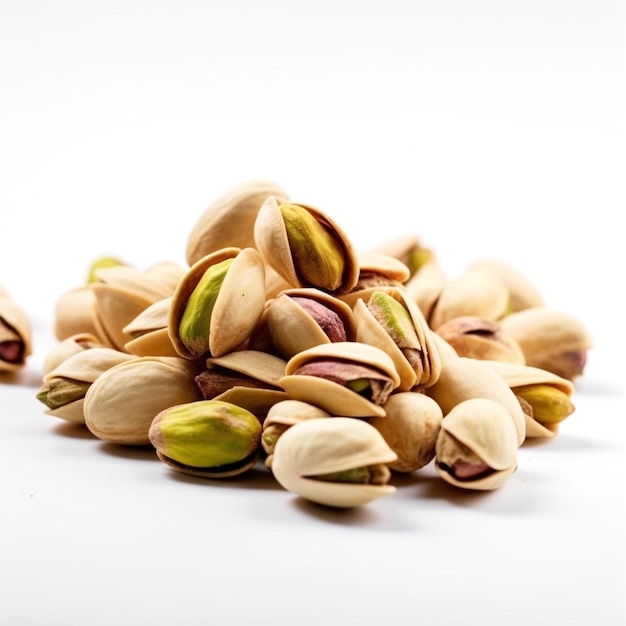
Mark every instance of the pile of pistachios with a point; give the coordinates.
(279, 344)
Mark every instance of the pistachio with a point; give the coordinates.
(229, 219)
(425, 286)
(218, 303)
(148, 332)
(122, 402)
(208, 438)
(480, 338)
(67, 347)
(99, 263)
(15, 334)
(410, 428)
(549, 404)
(349, 378)
(305, 247)
(476, 447)
(338, 462)
(551, 340)
(409, 250)
(74, 314)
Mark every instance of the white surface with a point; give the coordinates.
(488, 128)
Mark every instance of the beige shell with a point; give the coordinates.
(321, 446)
(148, 333)
(328, 395)
(143, 283)
(425, 287)
(167, 274)
(18, 328)
(292, 329)
(74, 314)
(410, 428)
(229, 220)
(475, 292)
(550, 339)
(67, 347)
(83, 366)
(523, 294)
(370, 331)
(265, 367)
(463, 378)
(258, 401)
(122, 402)
(239, 305)
(484, 427)
(270, 235)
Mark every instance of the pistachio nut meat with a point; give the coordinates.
(15, 334)
(338, 462)
(300, 318)
(305, 246)
(390, 321)
(208, 438)
(476, 446)
(551, 340)
(218, 303)
(229, 219)
(410, 428)
(349, 378)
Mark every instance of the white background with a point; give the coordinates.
(486, 128)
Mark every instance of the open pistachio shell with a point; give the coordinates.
(313, 448)
(143, 283)
(229, 219)
(148, 332)
(404, 335)
(300, 318)
(425, 286)
(410, 428)
(15, 335)
(68, 347)
(74, 314)
(219, 321)
(332, 396)
(262, 366)
(475, 292)
(272, 240)
(409, 250)
(477, 445)
(122, 402)
(463, 378)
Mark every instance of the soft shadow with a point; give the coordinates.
(22, 378)
(138, 453)
(73, 431)
(595, 387)
(257, 477)
(357, 516)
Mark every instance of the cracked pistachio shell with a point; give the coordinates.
(300, 318)
(551, 340)
(524, 376)
(283, 415)
(15, 335)
(167, 274)
(316, 447)
(410, 428)
(392, 322)
(74, 313)
(332, 396)
(480, 338)
(229, 219)
(377, 272)
(409, 250)
(218, 303)
(308, 249)
(122, 402)
(425, 286)
(475, 292)
(523, 294)
(463, 378)
(64, 387)
(68, 347)
(477, 445)
(147, 334)
(208, 438)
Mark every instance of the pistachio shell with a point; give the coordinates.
(293, 328)
(253, 363)
(463, 378)
(323, 446)
(74, 314)
(67, 347)
(425, 287)
(482, 429)
(122, 402)
(15, 331)
(229, 220)
(237, 307)
(272, 240)
(410, 428)
(142, 283)
(148, 333)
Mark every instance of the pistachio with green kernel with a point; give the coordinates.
(338, 462)
(208, 438)
(15, 334)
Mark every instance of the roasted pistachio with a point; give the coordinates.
(15, 334)
(477, 445)
(207, 438)
(338, 462)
